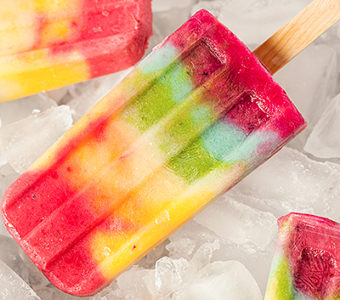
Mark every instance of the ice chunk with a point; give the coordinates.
(204, 254)
(221, 280)
(9, 254)
(24, 141)
(181, 247)
(170, 274)
(149, 260)
(324, 141)
(132, 285)
(3, 230)
(310, 81)
(198, 237)
(34, 276)
(238, 223)
(51, 293)
(13, 111)
(187, 240)
(167, 17)
(57, 95)
(13, 287)
(253, 21)
(7, 176)
(166, 5)
(290, 181)
(3, 160)
(86, 94)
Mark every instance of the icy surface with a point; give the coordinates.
(225, 251)
(22, 142)
(324, 140)
(13, 287)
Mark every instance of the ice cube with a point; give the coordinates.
(3, 230)
(51, 293)
(24, 141)
(204, 255)
(3, 160)
(310, 82)
(219, 281)
(16, 110)
(86, 94)
(238, 223)
(149, 260)
(170, 274)
(324, 141)
(57, 95)
(253, 21)
(194, 235)
(166, 5)
(181, 247)
(35, 277)
(13, 287)
(290, 181)
(131, 285)
(7, 176)
(167, 17)
(9, 254)
(187, 240)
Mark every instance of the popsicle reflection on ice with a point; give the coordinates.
(46, 44)
(188, 123)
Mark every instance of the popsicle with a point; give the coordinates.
(306, 262)
(46, 44)
(189, 122)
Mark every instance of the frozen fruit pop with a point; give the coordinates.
(46, 44)
(189, 122)
(307, 259)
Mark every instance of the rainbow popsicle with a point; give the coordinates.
(192, 119)
(46, 44)
(307, 258)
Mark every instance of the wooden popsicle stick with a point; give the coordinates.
(297, 34)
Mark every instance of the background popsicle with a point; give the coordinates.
(306, 262)
(188, 123)
(48, 44)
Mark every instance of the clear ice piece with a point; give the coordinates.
(290, 181)
(324, 140)
(86, 94)
(13, 111)
(310, 81)
(13, 287)
(219, 281)
(238, 223)
(24, 141)
(243, 17)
